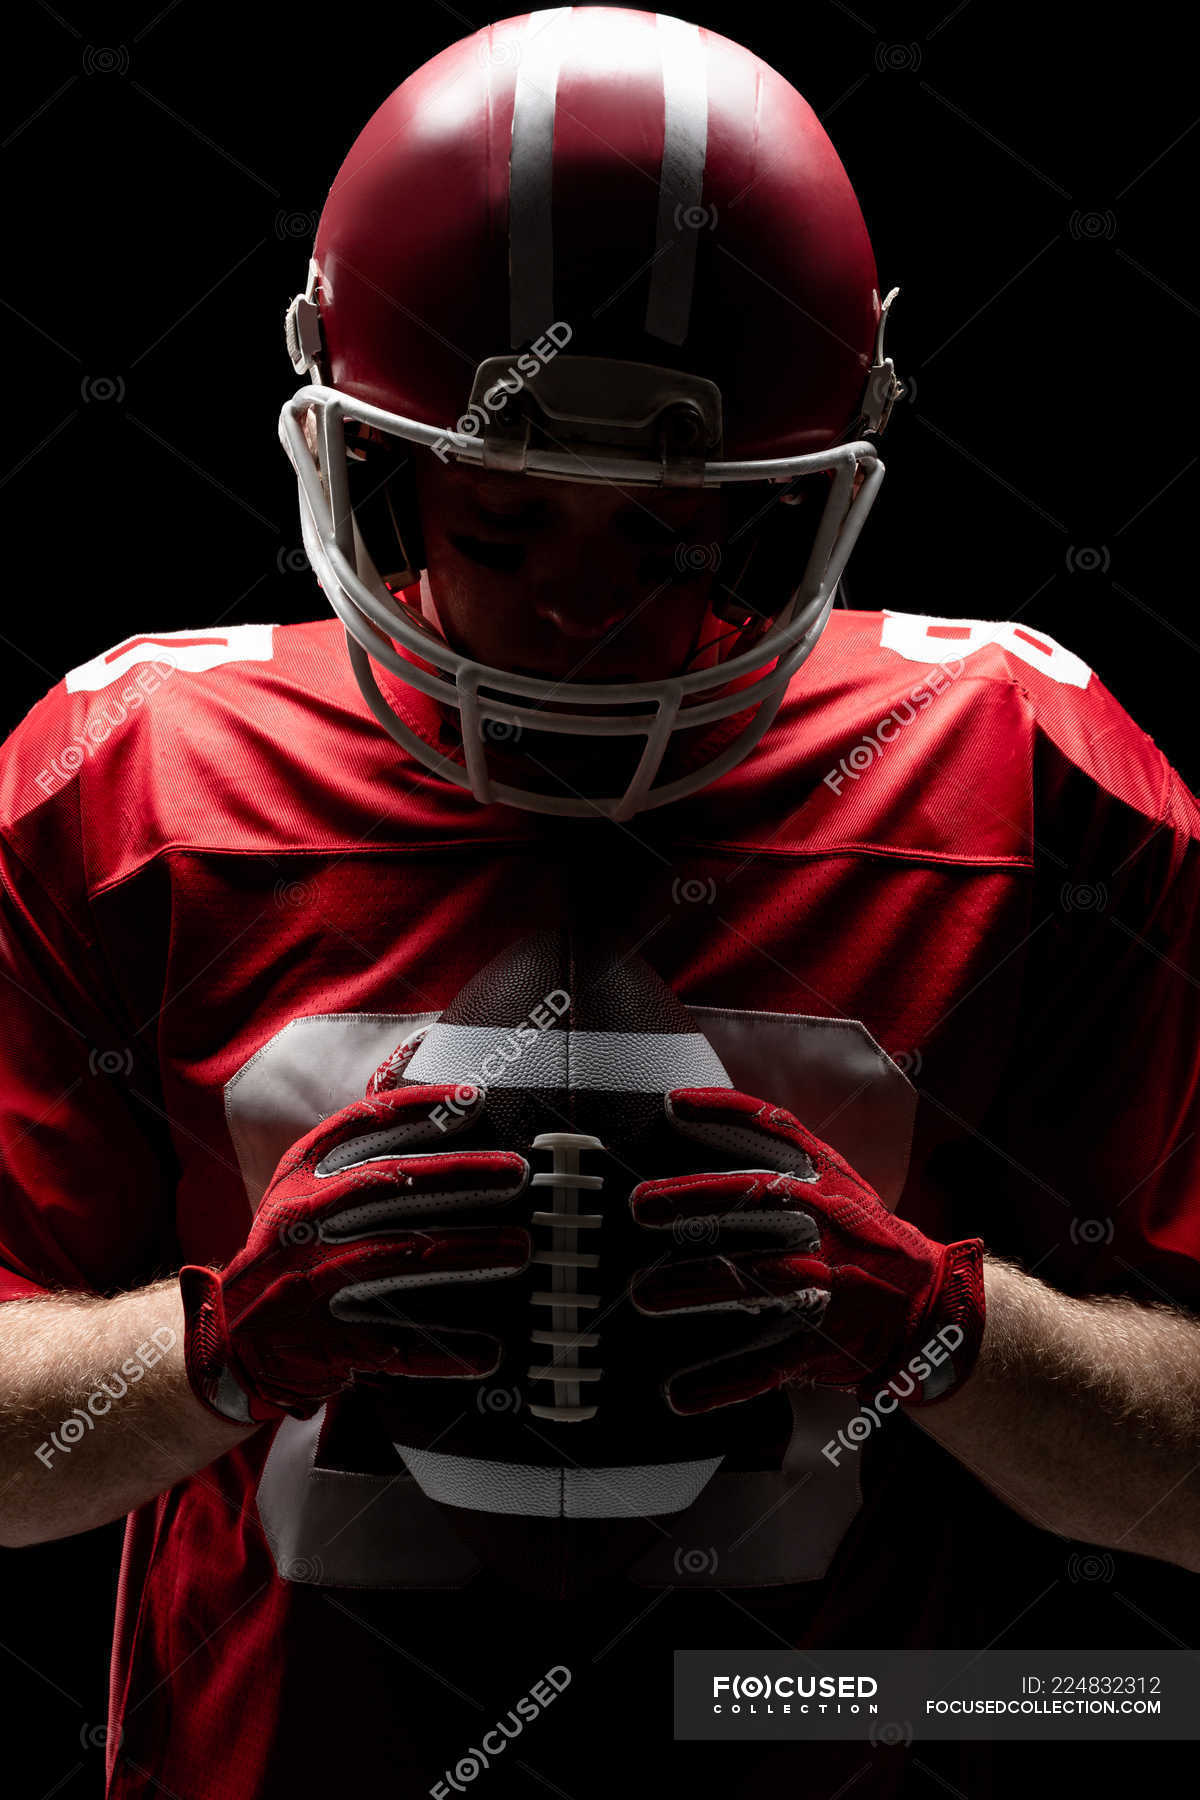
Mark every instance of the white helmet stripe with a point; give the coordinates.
(530, 178)
(681, 182)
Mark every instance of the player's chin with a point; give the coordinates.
(598, 664)
(637, 650)
(589, 673)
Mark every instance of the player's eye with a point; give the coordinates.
(508, 518)
(505, 559)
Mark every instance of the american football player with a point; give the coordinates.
(593, 386)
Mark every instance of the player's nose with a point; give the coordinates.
(577, 624)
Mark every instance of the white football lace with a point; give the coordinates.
(564, 1260)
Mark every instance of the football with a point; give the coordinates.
(567, 1461)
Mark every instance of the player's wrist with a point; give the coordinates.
(942, 1353)
(218, 1383)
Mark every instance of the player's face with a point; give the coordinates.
(568, 580)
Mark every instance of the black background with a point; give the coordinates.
(1028, 174)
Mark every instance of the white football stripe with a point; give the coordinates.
(622, 1493)
(629, 1062)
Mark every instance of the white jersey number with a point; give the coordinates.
(928, 640)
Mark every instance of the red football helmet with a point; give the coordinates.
(596, 245)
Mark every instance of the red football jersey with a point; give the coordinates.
(950, 901)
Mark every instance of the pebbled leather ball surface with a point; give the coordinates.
(564, 1465)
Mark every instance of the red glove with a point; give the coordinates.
(351, 1265)
(811, 1278)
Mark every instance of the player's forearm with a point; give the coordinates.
(1084, 1415)
(96, 1415)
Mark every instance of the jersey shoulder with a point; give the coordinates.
(190, 739)
(968, 742)
(1013, 681)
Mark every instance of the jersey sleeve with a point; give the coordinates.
(1088, 1166)
(86, 1182)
